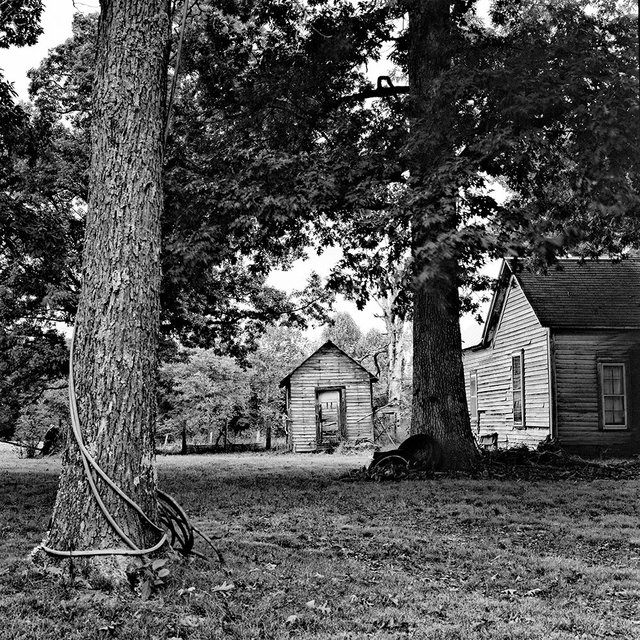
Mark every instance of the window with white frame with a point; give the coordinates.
(613, 398)
(517, 389)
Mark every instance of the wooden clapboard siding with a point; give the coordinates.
(589, 311)
(518, 330)
(327, 368)
(576, 356)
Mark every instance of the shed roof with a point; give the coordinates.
(574, 294)
(329, 344)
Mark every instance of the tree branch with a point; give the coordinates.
(375, 359)
(384, 89)
(176, 71)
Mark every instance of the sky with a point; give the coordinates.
(56, 22)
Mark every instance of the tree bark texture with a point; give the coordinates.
(118, 315)
(439, 400)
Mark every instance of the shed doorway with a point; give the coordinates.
(330, 415)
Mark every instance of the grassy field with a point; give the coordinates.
(313, 556)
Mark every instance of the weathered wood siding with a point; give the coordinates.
(518, 330)
(576, 357)
(328, 368)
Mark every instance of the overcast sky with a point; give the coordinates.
(56, 23)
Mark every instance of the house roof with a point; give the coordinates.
(328, 343)
(586, 295)
(574, 294)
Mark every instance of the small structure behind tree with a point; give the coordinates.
(328, 400)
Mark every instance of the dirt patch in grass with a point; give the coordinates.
(312, 556)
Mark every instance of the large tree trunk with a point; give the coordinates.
(118, 314)
(439, 401)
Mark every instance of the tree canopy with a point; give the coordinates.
(542, 101)
(217, 252)
(278, 140)
(271, 149)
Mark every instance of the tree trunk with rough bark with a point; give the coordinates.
(439, 400)
(118, 315)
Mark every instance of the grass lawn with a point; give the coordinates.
(313, 556)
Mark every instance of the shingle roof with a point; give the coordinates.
(594, 294)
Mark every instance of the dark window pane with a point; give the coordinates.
(614, 410)
(618, 417)
(612, 379)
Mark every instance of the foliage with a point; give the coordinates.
(343, 332)
(31, 360)
(572, 160)
(150, 577)
(20, 22)
(542, 101)
(214, 291)
(280, 350)
(36, 242)
(19, 26)
(37, 286)
(248, 122)
(203, 391)
(264, 140)
(561, 87)
(209, 392)
(41, 219)
(50, 410)
(272, 149)
(235, 202)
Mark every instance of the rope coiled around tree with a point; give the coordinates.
(172, 516)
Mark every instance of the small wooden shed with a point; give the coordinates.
(328, 400)
(560, 356)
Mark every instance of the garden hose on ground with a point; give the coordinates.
(172, 515)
